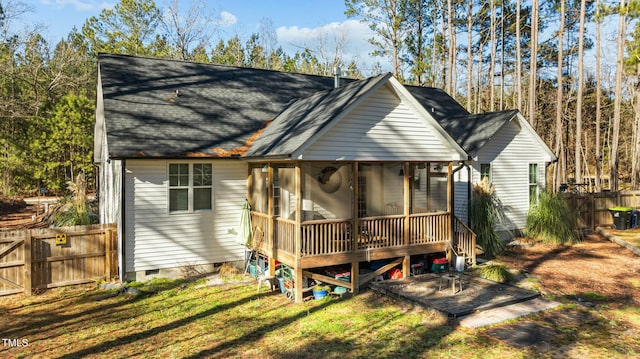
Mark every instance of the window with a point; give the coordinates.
(533, 182)
(485, 171)
(190, 187)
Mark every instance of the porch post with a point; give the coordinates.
(406, 263)
(269, 228)
(355, 265)
(450, 210)
(298, 235)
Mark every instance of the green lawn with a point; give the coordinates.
(631, 236)
(179, 319)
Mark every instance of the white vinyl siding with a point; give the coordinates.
(510, 152)
(382, 128)
(157, 239)
(461, 194)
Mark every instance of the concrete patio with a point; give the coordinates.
(477, 294)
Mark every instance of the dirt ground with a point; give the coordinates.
(16, 213)
(594, 269)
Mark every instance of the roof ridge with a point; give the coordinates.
(213, 64)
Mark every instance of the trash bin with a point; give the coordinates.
(439, 265)
(634, 219)
(621, 217)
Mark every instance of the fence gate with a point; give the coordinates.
(12, 274)
(45, 258)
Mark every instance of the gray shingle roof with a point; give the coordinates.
(472, 132)
(302, 119)
(216, 107)
(166, 108)
(437, 102)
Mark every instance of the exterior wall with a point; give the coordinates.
(157, 239)
(461, 194)
(317, 203)
(110, 192)
(510, 152)
(382, 128)
(110, 189)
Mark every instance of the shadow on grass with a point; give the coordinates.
(138, 336)
(41, 314)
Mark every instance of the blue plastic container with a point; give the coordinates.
(319, 294)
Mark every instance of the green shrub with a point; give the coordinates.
(485, 215)
(552, 220)
(495, 272)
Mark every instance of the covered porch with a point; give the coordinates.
(314, 215)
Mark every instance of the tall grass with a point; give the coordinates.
(496, 272)
(75, 212)
(485, 216)
(552, 220)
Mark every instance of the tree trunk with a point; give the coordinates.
(443, 57)
(451, 49)
(578, 138)
(617, 102)
(479, 81)
(635, 158)
(518, 59)
(469, 54)
(453, 44)
(533, 63)
(492, 52)
(501, 55)
(434, 50)
(559, 177)
(598, 98)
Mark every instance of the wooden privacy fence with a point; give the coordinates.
(593, 208)
(54, 257)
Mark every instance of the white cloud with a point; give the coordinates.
(227, 19)
(350, 37)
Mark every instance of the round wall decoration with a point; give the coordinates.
(330, 179)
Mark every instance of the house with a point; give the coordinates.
(505, 148)
(336, 175)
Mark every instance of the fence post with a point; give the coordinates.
(107, 254)
(28, 279)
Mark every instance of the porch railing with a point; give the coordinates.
(429, 227)
(285, 235)
(327, 237)
(381, 232)
(465, 239)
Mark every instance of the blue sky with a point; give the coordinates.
(298, 24)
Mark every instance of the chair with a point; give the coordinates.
(265, 278)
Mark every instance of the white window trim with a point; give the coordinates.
(537, 183)
(490, 170)
(190, 189)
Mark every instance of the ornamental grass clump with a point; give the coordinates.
(74, 211)
(485, 216)
(495, 272)
(552, 220)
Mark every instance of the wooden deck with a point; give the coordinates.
(323, 243)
